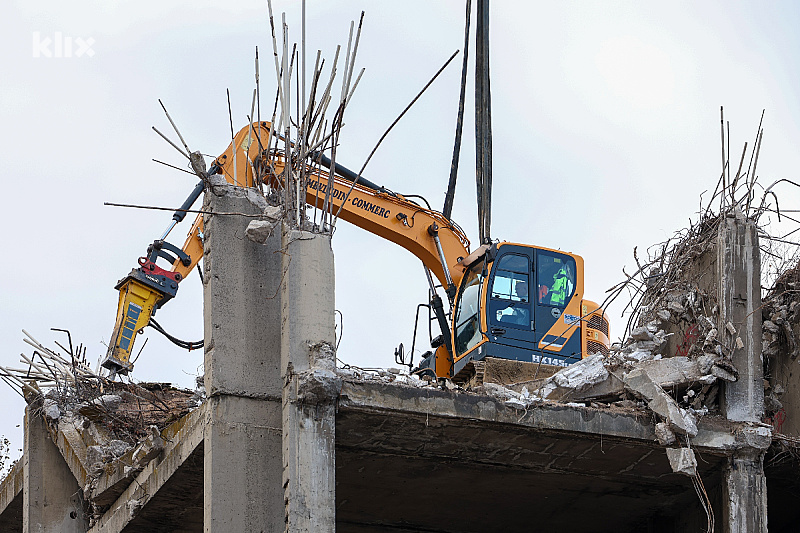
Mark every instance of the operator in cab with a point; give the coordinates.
(513, 314)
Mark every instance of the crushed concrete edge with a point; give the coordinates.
(182, 438)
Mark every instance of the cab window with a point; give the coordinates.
(468, 330)
(510, 292)
(555, 279)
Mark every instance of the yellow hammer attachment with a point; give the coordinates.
(136, 303)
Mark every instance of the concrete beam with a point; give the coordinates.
(52, 497)
(311, 385)
(185, 436)
(11, 499)
(242, 317)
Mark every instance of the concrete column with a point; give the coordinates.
(52, 499)
(740, 301)
(745, 494)
(739, 278)
(242, 440)
(310, 384)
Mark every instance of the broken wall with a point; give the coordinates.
(781, 344)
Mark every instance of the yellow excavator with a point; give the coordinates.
(507, 300)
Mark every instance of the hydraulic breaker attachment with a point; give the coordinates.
(141, 293)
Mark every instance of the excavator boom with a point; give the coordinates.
(440, 244)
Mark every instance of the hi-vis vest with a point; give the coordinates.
(559, 289)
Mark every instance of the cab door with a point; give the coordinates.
(555, 287)
(510, 314)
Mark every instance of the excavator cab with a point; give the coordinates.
(524, 303)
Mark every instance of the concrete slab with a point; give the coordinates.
(429, 460)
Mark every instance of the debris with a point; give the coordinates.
(117, 447)
(133, 507)
(149, 448)
(719, 372)
(664, 435)
(96, 409)
(579, 377)
(261, 230)
(500, 392)
(682, 461)
(641, 334)
(50, 408)
(94, 455)
(661, 403)
(516, 403)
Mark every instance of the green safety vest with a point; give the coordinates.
(558, 291)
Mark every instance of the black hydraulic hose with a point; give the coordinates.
(186, 345)
(348, 174)
(483, 123)
(451, 186)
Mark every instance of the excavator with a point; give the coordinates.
(506, 300)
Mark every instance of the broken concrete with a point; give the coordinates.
(261, 230)
(682, 461)
(639, 383)
(137, 500)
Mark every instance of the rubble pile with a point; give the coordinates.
(113, 429)
(391, 375)
(126, 411)
(780, 331)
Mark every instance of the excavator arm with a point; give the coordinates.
(441, 245)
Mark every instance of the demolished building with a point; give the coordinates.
(670, 432)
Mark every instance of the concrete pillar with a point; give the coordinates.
(739, 278)
(310, 384)
(745, 494)
(740, 302)
(242, 441)
(52, 499)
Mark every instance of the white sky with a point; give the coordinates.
(605, 122)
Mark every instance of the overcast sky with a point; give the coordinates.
(605, 123)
